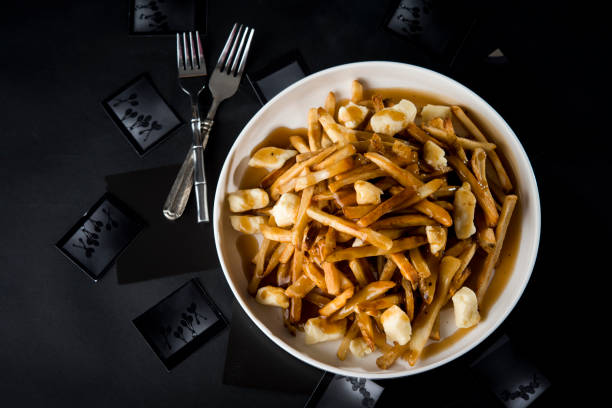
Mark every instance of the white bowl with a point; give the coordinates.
(289, 109)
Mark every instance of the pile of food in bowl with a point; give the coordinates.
(374, 220)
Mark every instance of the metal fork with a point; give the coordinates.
(192, 80)
(223, 84)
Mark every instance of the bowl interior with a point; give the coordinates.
(289, 109)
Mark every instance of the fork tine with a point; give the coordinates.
(194, 57)
(232, 55)
(188, 65)
(245, 54)
(226, 48)
(232, 70)
(179, 54)
(200, 53)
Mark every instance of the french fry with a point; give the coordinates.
(276, 233)
(388, 270)
(478, 135)
(483, 195)
(359, 271)
(296, 264)
(421, 136)
(404, 177)
(366, 175)
(369, 292)
(298, 144)
(288, 323)
(419, 263)
(330, 242)
(332, 278)
(316, 275)
(458, 281)
(302, 219)
(425, 319)
(297, 168)
(336, 132)
(435, 330)
(300, 287)
(427, 286)
(399, 245)
(295, 309)
(404, 221)
(340, 154)
(318, 176)
(434, 211)
(450, 139)
(324, 196)
(387, 206)
(484, 277)
(345, 197)
(372, 307)
(272, 176)
(337, 303)
(485, 235)
(367, 330)
(283, 274)
(340, 224)
(330, 104)
(356, 91)
(314, 130)
(408, 298)
(350, 334)
(459, 247)
(260, 259)
(287, 253)
(406, 269)
(317, 299)
(357, 211)
(363, 168)
(274, 259)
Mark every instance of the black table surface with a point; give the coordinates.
(66, 341)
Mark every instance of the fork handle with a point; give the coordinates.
(181, 188)
(199, 181)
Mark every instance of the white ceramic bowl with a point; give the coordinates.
(289, 109)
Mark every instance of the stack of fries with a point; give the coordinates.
(370, 225)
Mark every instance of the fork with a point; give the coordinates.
(192, 77)
(223, 84)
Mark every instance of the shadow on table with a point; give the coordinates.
(166, 247)
(253, 360)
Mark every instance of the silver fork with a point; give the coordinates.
(223, 84)
(191, 69)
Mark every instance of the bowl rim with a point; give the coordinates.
(531, 183)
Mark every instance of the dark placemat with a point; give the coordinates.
(439, 27)
(253, 360)
(142, 114)
(514, 380)
(278, 75)
(100, 236)
(166, 17)
(338, 391)
(167, 247)
(180, 323)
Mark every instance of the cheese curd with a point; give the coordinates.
(285, 210)
(352, 115)
(249, 224)
(434, 155)
(396, 325)
(367, 193)
(464, 206)
(271, 158)
(430, 112)
(359, 347)
(319, 329)
(436, 236)
(245, 200)
(272, 296)
(394, 119)
(465, 305)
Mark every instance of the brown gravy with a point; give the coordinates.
(247, 245)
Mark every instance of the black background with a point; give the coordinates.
(65, 341)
